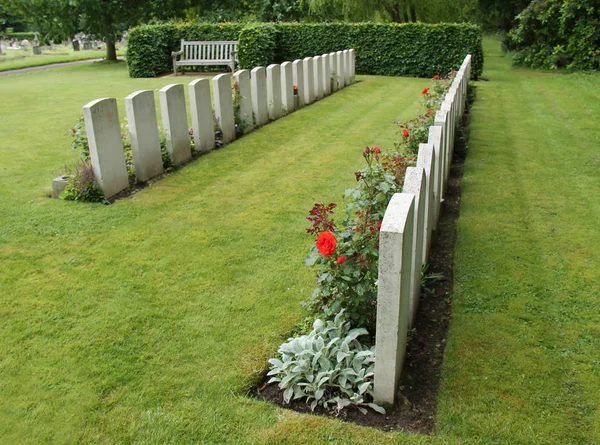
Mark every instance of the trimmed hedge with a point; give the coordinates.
(20, 35)
(149, 46)
(410, 49)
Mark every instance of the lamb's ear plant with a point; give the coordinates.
(329, 367)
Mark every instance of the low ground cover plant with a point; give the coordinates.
(346, 256)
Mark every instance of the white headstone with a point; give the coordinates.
(426, 161)
(202, 116)
(242, 78)
(435, 139)
(274, 91)
(339, 56)
(287, 87)
(318, 77)
(393, 295)
(143, 129)
(224, 106)
(441, 120)
(326, 75)
(175, 123)
(352, 66)
(309, 81)
(106, 145)
(333, 65)
(258, 80)
(414, 182)
(346, 56)
(298, 73)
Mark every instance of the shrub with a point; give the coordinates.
(258, 45)
(347, 259)
(557, 34)
(82, 184)
(389, 49)
(328, 367)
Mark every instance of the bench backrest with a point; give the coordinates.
(208, 50)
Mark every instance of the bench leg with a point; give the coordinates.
(174, 66)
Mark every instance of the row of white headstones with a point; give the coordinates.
(405, 239)
(264, 94)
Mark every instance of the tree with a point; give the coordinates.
(106, 19)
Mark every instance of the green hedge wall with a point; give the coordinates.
(258, 45)
(20, 35)
(149, 46)
(411, 49)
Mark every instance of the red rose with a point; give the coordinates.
(405, 132)
(436, 77)
(341, 259)
(295, 88)
(326, 243)
(425, 91)
(376, 149)
(377, 157)
(379, 225)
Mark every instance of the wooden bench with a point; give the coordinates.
(205, 54)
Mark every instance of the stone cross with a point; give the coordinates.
(202, 116)
(106, 145)
(143, 129)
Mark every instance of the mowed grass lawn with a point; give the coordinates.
(148, 320)
(17, 59)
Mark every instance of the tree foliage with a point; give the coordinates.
(557, 34)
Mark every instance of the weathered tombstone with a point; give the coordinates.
(106, 145)
(202, 116)
(393, 295)
(274, 91)
(426, 161)
(37, 50)
(309, 81)
(242, 78)
(346, 56)
(287, 87)
(339, 56)
(441, 120)
(333, 65)
(352, 66)
(224, 106)
(174, 118)
(415, 183)
(143, 129)
(76, 46)
(318, 77)
(435, 139)
(298, 73)
(87, 46)
(258, 80)
(326, 75)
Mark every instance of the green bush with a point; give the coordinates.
(258, 45)
(557, 34)
(20, 35)
(391, 49)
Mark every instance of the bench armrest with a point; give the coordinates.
(176, 53)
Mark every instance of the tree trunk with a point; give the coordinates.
(109, 35)
(111, 50)
(395, 14)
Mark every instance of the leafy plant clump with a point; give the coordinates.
(329, 367)
(82, 185)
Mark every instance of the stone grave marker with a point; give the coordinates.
(298, 73)
(287, 87)
(174, 118)
(274, 91)
(224, 106)
(242, 78)
(258, 80)
(202, 116)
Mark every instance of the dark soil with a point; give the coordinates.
(419, 384)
